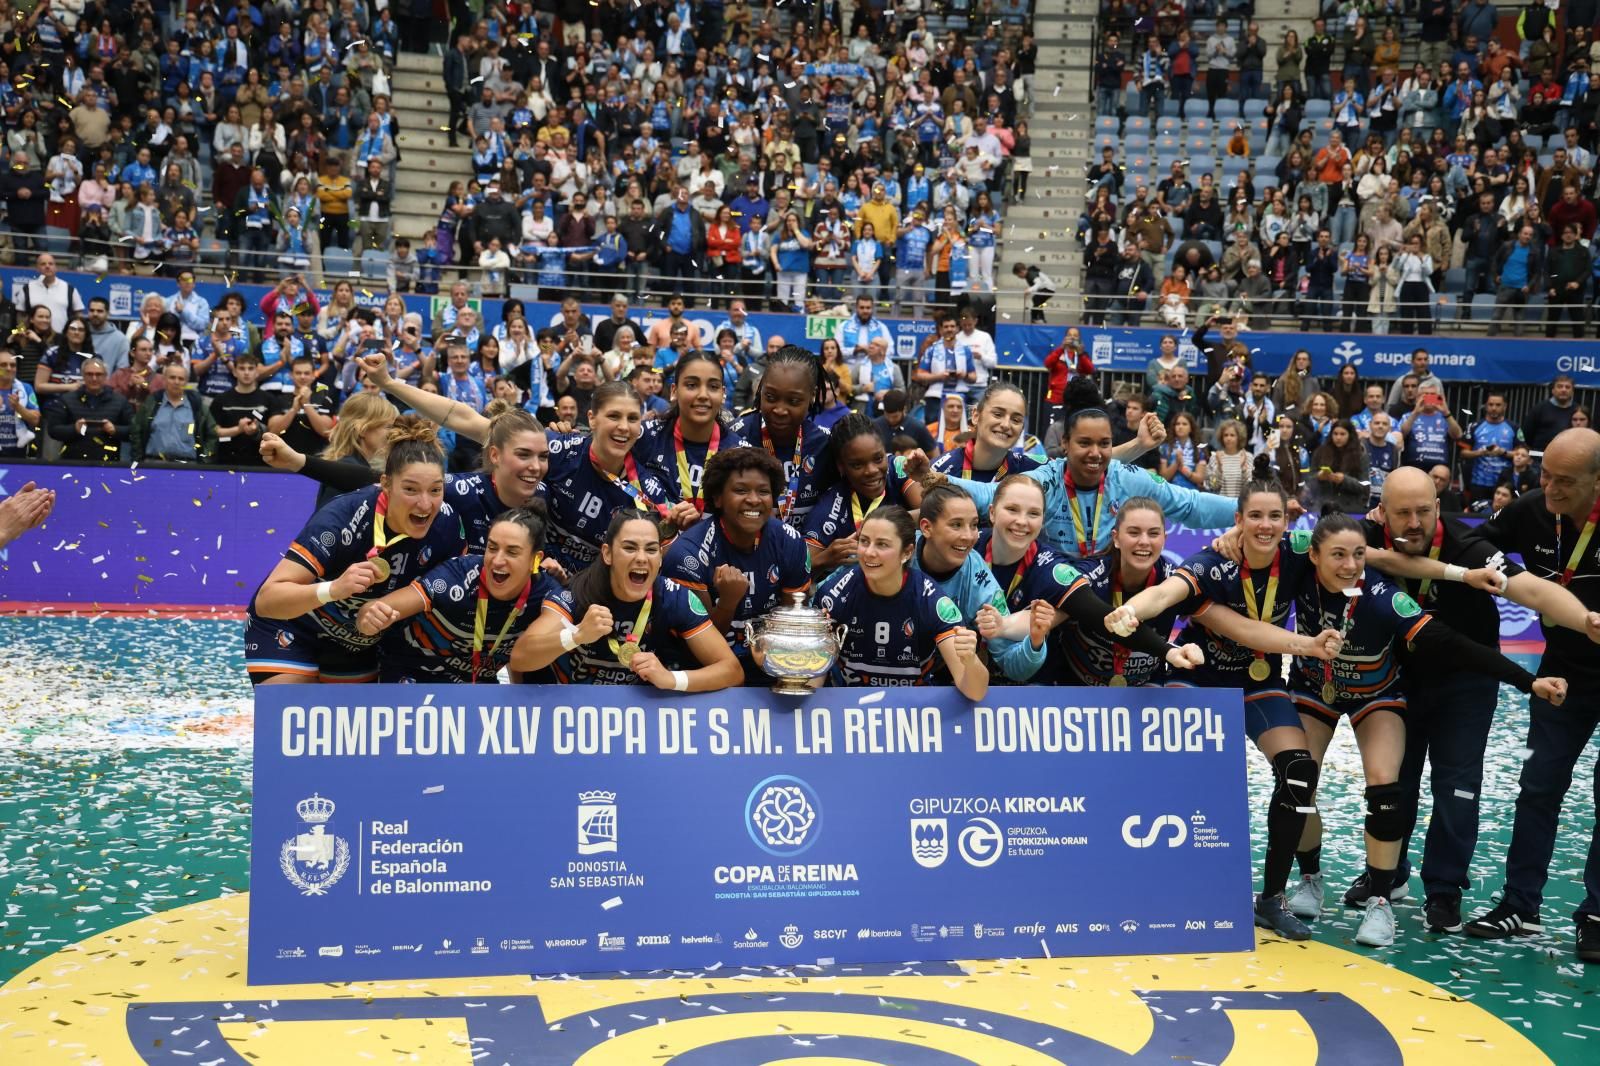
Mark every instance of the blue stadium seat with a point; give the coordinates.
(1197, 143)
(1164, 163)
(337, 261)
(1201, 164)
(1227, 109)
(1169, 126)
(374, 264)
(1318, 108)
(1446, 309)
(1255, 108)
(1267, 168)
(1168, 145)
(1482, 307)
(1103, 141)
(1201, 124)
(1136, 142)
(1177, 227)
(1169, 108)
(213, 252)
(1215, 248)
(1455, 279)
(1232, 167)
(1137, 124)
(1106, 124)
(1138, 166)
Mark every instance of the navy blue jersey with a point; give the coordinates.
(958, 462)
(833, 516)
(659, 449)
(804, 477)
(340, 535)
(889, 640)
(1367, 667)
(474, 498)
(1089, 654)
(1214, 579)
(581, 500)
(676, 614)
(437, 643)
(779, 567)
(1049, 576)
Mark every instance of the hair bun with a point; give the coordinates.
(1082, 394)
(413, 428)
(1261, 467)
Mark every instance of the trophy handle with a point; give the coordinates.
(840, 631)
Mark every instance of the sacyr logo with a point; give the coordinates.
(1130, 827)
(980, 842)
(783, 815)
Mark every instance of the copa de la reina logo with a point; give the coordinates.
(314, 860)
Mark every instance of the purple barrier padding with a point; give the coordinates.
(190, 538)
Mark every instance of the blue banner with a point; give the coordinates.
(126, 293)
(413, 831)
(1453, 356)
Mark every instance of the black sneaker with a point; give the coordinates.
(1360, 891)
(1443, 914)
(1505, 920)
(1589, 938)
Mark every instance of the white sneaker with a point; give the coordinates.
(1377, 925)
(1306, 899)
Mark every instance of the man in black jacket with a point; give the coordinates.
(91, 423)
(682, 238)
(1100, 262)
(458, 84)
(639, 231)
(372, 197)
(23, 189)
(496, 217)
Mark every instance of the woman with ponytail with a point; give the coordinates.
(788, 396)
(1084, 490)
(1236, 612)
(364, 545)
(695, 428)
(463, 617)
(622, 622)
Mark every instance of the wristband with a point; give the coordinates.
(680, 681)
(568, 641)
(324, 591)
(1455, 572)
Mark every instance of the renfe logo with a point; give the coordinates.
(1130, 827)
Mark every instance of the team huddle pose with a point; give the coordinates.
(640, 554)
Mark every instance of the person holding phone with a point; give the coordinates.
(1430, 432)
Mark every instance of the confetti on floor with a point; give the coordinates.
(125, 797)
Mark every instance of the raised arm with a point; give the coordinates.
(441, 409)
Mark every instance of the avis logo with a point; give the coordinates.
(1130, 829)
(1347, 353)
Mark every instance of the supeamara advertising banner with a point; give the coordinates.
(408, 831)
(1453, 356)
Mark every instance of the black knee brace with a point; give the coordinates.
(1296, 772)
(1390, 813)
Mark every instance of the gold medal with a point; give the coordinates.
(381, 565)
(1260, 670)
(626, 651)
(1330, 692)
(1118, 681)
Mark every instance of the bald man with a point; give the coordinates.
(1448, 709)
(1553, 529)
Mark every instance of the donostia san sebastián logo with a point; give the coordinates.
(314, 861)
(597, 822)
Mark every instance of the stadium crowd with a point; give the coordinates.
(1405, 164)
(675, 146)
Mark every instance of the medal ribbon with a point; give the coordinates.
(794, 479)
(967, 462)
(1582, 546)
(1120, 652)
(637, 632)
(1085, 548)
(858, 514)
(1264, 612)
(480, 617)
(690, 492)
(631, 486)
(380, 534)
(1433, 553)
(1022, 565)
(1344, 626)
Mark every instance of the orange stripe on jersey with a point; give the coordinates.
(701, 628)
(268, 669)
(1414, 630)
(939, 638)
(1192, 581)
(305, 558)
(695, 586)
(557, 608)
(417, 587)
(1396, 705)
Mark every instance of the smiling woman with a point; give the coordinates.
(302, 621)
